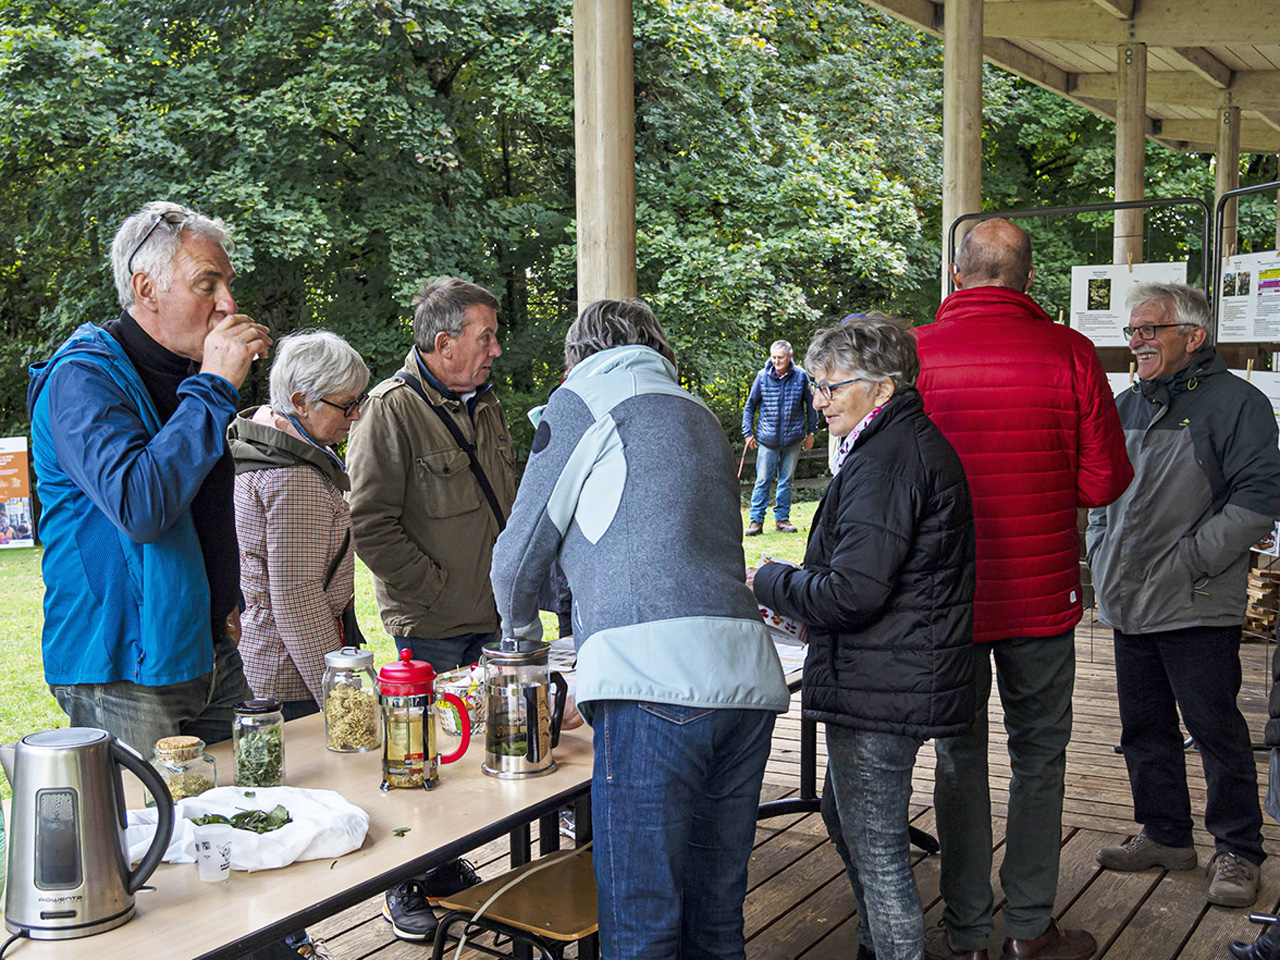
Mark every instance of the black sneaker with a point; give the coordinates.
(448, 879)
(405, 906)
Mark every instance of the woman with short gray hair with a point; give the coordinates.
(297, 566)
(887, 593)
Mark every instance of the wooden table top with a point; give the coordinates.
(185, 918)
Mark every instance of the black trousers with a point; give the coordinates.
(1195, 671)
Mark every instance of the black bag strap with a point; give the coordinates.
(337, 560)
(467, 447)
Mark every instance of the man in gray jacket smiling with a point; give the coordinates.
(1170, 560)
(631, 484)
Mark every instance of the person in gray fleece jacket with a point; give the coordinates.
(631, 484)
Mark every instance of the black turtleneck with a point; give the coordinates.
(213, 508)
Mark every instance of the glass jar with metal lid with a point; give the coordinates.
(352, 717)
(257, 734)
(184, 767)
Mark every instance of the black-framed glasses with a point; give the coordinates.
(1147, 331)
(828, 389)
(348, 408)
(172, 217)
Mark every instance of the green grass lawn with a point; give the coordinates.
(26, 704)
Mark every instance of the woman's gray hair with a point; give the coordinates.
(155, 257)
(870, 346)
(441, 307)
(317, 363)
(1189, 308)
(614, 323)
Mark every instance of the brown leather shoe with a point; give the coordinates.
(937, 946)
(1054, 944)
(754, 528)
(786, 526)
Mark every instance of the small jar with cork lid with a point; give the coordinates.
(184, 767)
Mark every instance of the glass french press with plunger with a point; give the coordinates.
(522, 725)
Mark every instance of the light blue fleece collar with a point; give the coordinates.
(633, 359)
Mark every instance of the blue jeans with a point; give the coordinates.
(1036, 677)
(769, 461)
(673, 812)
(138, 715)
(1195, 672)
(870, 774)
(446, 654)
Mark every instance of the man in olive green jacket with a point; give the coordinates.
(422, 519)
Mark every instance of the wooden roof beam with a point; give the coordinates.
(1123, 9)
(1202, 135)
(1249, 89)
(1207, 65)
(1270, 117)
(1163, 23)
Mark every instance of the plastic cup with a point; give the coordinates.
(213, 851)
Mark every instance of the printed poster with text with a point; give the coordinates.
(1269, 384)
(1098, 295)
(1250, 306)
(17, 529)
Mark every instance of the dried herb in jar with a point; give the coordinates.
(260, 757)
(351, 718)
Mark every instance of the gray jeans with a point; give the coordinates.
(1036, 677)
(138, 715)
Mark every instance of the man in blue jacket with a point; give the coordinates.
(141, 567)
(782, 396)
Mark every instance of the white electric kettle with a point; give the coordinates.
(69, 870)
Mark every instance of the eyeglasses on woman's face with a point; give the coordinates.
(828, 390)
(348, 409)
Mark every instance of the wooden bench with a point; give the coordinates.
(549, 904)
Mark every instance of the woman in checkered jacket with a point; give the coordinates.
(297, 561)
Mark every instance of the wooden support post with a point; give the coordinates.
(604, 140)
(1226, 172)
(961, 115)
(1131, 148)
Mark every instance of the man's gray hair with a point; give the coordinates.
(614, 323)
(317, 363)
(166, 222)
(873, 347)
(441, 307)
(784, 344)
(1188, 305)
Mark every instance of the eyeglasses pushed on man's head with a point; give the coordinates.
(173, 217)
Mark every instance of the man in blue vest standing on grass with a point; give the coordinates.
(784, 399)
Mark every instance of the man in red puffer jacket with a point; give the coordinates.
(1025, 403)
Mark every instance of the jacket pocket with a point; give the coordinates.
(446, 485)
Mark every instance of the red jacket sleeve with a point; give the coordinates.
(1104, 469)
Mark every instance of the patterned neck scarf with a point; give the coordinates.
(847, 444)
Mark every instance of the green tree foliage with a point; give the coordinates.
(358, 146)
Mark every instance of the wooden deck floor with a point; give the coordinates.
(799, 903)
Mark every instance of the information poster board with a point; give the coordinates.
(1250, 305)
(1098, 295)
(1269, 384)
(17, 527)
(1118, 382)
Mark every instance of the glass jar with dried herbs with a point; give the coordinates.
(184, 767)
(352, 717)
(258, 743)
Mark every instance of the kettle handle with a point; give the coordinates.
(557, 712)
(128, 758)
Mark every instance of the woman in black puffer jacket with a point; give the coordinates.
(887, 593)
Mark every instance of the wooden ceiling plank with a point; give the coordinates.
(1207, 65)
(923, 14)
